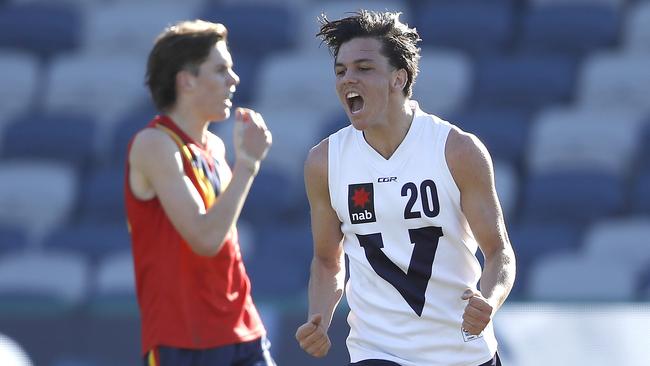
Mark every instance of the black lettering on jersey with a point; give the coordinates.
(361, 203)
(428, 196)
(386, 179)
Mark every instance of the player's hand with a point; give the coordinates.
(313, 337)
(252, 138)
(478, 312)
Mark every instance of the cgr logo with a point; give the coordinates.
(387, 179)
(361, 204)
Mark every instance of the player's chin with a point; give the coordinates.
(358, 123)
(221, 114)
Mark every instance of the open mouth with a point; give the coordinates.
(355, 102)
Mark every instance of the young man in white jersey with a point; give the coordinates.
(409, 199)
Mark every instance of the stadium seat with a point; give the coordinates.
(524, 81)
(295, 131)
(124, 128)
(273, 190)
(615, 80)
(573, 28)
(43, 28)
(641, 194)
(114, 283)
(70, 138)
(504, 130)
(572, 196)
(637, 27)
(534, 241)
(469, 25)
(48, 281)
(25, 185)
(622, 240)
(248, 47)
(275, 244)
(275, 20)
(19, 81)
(282, 83)
(309, 25)
(572, 277)
(587, 139)
(118, 28)
(100, 86)
(444, 81)
(101, 197)
(93, 240)
(12, 238)
(507, 186)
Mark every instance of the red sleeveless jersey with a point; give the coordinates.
(186, 300)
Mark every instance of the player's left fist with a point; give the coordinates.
(478, 312)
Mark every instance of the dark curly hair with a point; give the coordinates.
(399, 42)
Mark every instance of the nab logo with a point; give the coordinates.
(386, 179)
(361, 204)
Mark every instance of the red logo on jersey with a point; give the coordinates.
(361, 205)
(360, 197)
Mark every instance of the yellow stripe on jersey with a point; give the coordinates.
(152, 358)
(201, 178)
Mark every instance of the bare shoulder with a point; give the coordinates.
(317, 159)
(467, 157)
(151, 142)
(153, 151)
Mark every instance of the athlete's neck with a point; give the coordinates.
(385, 138)
(195, 127)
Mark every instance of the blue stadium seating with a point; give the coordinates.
(641, 193)
(125, 128)
(280, 252)
(12, 238)
(504, 131)
(273, 32)
(61, 137)
(470, 25)
(570, 28)
(572, 196)
(524, 80)
(93, 240)
(270, 199)
(44, 28)
(101, 196)
(577, 164)
(532, 241)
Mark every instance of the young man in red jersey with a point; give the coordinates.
(183, 202)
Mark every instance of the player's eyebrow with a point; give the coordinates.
(358, 61)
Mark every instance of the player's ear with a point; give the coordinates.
(399, 79)
(185, 80)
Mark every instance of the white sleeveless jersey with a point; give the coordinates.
(410, 249)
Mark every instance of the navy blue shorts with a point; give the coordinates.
(493, 362)
(254, 353)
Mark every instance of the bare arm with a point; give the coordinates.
(156, 164)
(328, 267)
(471, 167)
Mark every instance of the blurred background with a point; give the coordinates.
(558, 90)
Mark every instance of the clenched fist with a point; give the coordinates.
(252, 138)
(478, 312)
(313, 337)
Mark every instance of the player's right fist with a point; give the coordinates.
(252, 138)
(313, 338)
